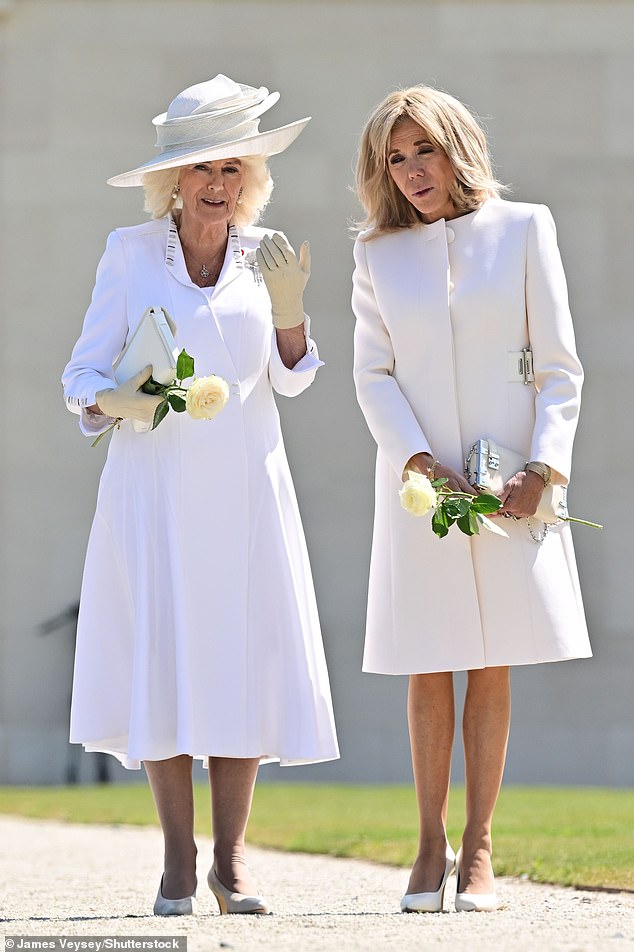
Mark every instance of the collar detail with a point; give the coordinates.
(240, 259)
(172, 242)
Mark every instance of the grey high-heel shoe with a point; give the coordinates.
(233, 902)
(174, 907)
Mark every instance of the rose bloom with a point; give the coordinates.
(418, 495)
(206, 397)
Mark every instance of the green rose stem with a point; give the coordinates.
(463, 509)
(105, 432)
(583, 522)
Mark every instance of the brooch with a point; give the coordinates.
(251, 263)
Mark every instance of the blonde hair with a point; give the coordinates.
(257, 186)
(451, 127)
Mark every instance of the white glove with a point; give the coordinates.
(285, 278)
(127, 402)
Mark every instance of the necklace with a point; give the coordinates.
(242, 259)
(200, 273)
(205, 272)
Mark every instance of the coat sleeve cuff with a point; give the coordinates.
(291, 381)
(310, 360)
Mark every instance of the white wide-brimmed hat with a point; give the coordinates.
(218, 119)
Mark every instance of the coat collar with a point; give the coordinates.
(433, 230)
(236, 260)
(406, 240)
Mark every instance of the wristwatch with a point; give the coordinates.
(542, 469)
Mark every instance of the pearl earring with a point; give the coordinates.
(239, 202)
(175, 192)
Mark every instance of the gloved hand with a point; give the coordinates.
(285, 277)
(126, 402)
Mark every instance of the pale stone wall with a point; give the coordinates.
(79, 83)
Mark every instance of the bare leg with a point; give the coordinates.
(487, 715)
(431, 730)
(171, 785)
(232, 783)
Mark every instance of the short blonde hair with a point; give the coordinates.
(257, 186)
(451, 127)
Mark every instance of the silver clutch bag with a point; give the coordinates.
(488, 466)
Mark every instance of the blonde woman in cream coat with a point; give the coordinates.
(451, 282)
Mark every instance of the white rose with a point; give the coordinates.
(418, 495)
(206, 397)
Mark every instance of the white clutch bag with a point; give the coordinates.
(152, 342)
(488, 466)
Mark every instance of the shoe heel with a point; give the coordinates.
(222, 904)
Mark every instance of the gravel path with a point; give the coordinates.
(70, 880)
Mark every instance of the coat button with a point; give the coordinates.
(450, 235)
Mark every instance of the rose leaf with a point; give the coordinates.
(160, 413)
(486, 503)
(177, 403)
(184, 366)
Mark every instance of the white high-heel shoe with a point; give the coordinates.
(233, 902)
(430, 901)
(474, 902)
(174, 907)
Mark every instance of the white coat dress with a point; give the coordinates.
(198, 630)
(439, 308)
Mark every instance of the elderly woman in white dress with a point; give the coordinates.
(198, 632)
(452, 284)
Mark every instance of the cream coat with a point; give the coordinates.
(198, 629)
(439, 307)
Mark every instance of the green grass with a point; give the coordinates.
(572, 836)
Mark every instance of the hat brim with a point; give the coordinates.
(263, 143)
